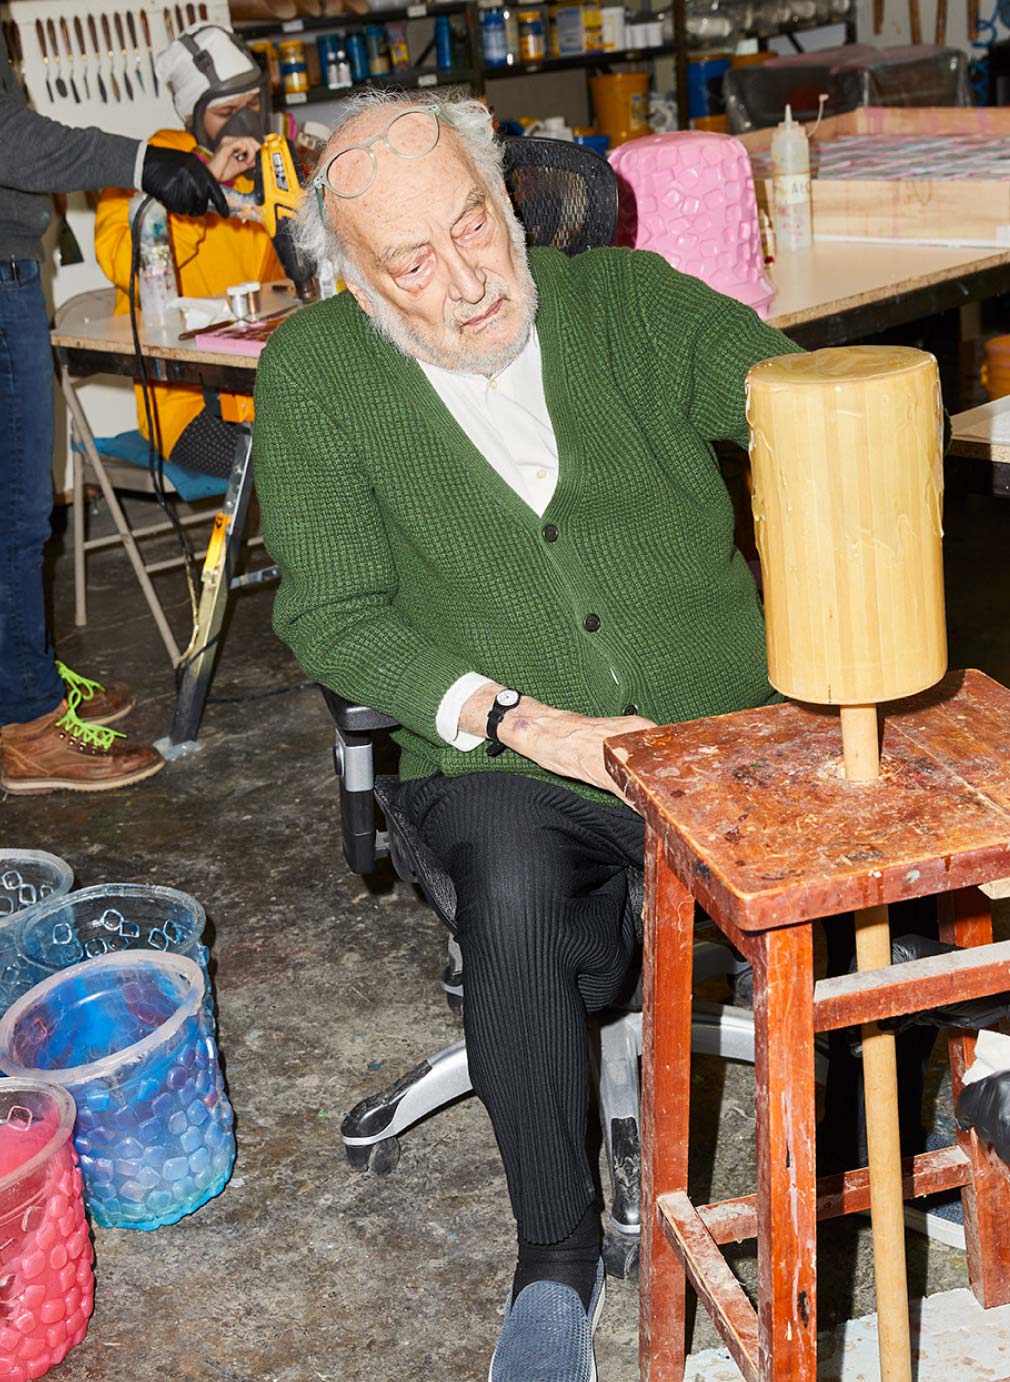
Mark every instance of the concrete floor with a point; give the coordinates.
(303, 1271)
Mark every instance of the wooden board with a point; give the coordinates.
(971, 210)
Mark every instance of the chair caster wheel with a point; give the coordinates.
(378, 1157)
(620, 1255)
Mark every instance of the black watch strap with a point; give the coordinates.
(496, 714)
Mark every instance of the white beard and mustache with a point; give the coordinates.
(388, 323)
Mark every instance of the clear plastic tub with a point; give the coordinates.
(28, 876)
(103, 920)
(128, 1036)
(46, 1279)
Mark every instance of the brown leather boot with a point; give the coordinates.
(59, 750)
(100, 705)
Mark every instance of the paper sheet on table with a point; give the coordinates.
(200, 313)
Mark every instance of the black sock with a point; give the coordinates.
(573, 1261)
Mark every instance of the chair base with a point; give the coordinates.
(371, 1130)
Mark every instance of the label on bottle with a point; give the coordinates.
(791, 188)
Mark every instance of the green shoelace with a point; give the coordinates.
(84, 686)
(91, 736)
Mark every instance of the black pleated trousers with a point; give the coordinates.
(547, 934)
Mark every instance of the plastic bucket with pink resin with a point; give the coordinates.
(46, 1280)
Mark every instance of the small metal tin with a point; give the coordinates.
(244, 300)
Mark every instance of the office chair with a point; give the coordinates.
(565, 196)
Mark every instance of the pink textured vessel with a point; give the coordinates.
(47, 1283)
(689, 196)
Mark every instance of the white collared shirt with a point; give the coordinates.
(507, 420)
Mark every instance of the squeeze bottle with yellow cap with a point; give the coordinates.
(791, 186)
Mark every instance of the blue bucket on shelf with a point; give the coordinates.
(128, 1036)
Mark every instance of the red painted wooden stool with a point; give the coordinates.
(750, 815)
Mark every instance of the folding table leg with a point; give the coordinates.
(965, 919)
(80, 533)
(667, 962)
(119, 518)
(787, 1186)
(197, 663)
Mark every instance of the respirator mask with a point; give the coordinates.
(245, 122)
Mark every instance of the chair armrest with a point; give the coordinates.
(356, 719)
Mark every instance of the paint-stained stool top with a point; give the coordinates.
(760, 823)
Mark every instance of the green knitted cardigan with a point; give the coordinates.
(407, 561)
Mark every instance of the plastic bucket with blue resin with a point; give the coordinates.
(128, 1036)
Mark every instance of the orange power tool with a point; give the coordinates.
(276, 193)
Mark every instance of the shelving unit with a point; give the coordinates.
(518, 69)
(473, 72)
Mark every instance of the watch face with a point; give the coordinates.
(506, 698)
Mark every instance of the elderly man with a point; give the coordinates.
(487, 477)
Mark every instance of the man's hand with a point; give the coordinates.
(181, 183)
(234, 156)
(560, 741)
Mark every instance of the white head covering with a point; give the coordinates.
(176, 65)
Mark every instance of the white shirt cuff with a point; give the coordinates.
(138, 164)
(447, 718)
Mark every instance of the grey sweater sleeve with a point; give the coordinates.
(41, 155)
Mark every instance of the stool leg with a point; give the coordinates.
(667, 961)
(787, 1186)
(965, 919)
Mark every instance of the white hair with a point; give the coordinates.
(316, 235)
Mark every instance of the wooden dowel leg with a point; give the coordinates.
(887, 1206)
(880, 1086)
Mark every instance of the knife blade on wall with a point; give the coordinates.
(121, 37)
(132, 30)
(40, 34)
(83, 49)
(107, 35)
(98, 58)
(146, 30)
(68, 49)
(61, 85)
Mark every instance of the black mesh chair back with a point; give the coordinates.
(564, 195)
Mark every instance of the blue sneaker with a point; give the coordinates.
(547, 1336)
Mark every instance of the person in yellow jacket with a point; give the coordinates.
(221, 95)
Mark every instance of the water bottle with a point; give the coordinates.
(156, 284)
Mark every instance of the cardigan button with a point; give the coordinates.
(591, 623)
(630, 709)
(551, 533)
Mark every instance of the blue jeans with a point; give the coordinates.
(29, 683)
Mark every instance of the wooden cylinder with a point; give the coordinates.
(847, 461)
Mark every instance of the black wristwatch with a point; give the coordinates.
(505, 701)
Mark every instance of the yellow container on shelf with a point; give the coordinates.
(532, 35)
(592, 28)
(621, 105)
(294, 73)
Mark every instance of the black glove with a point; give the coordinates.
(985, 1106)
(181, 183)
